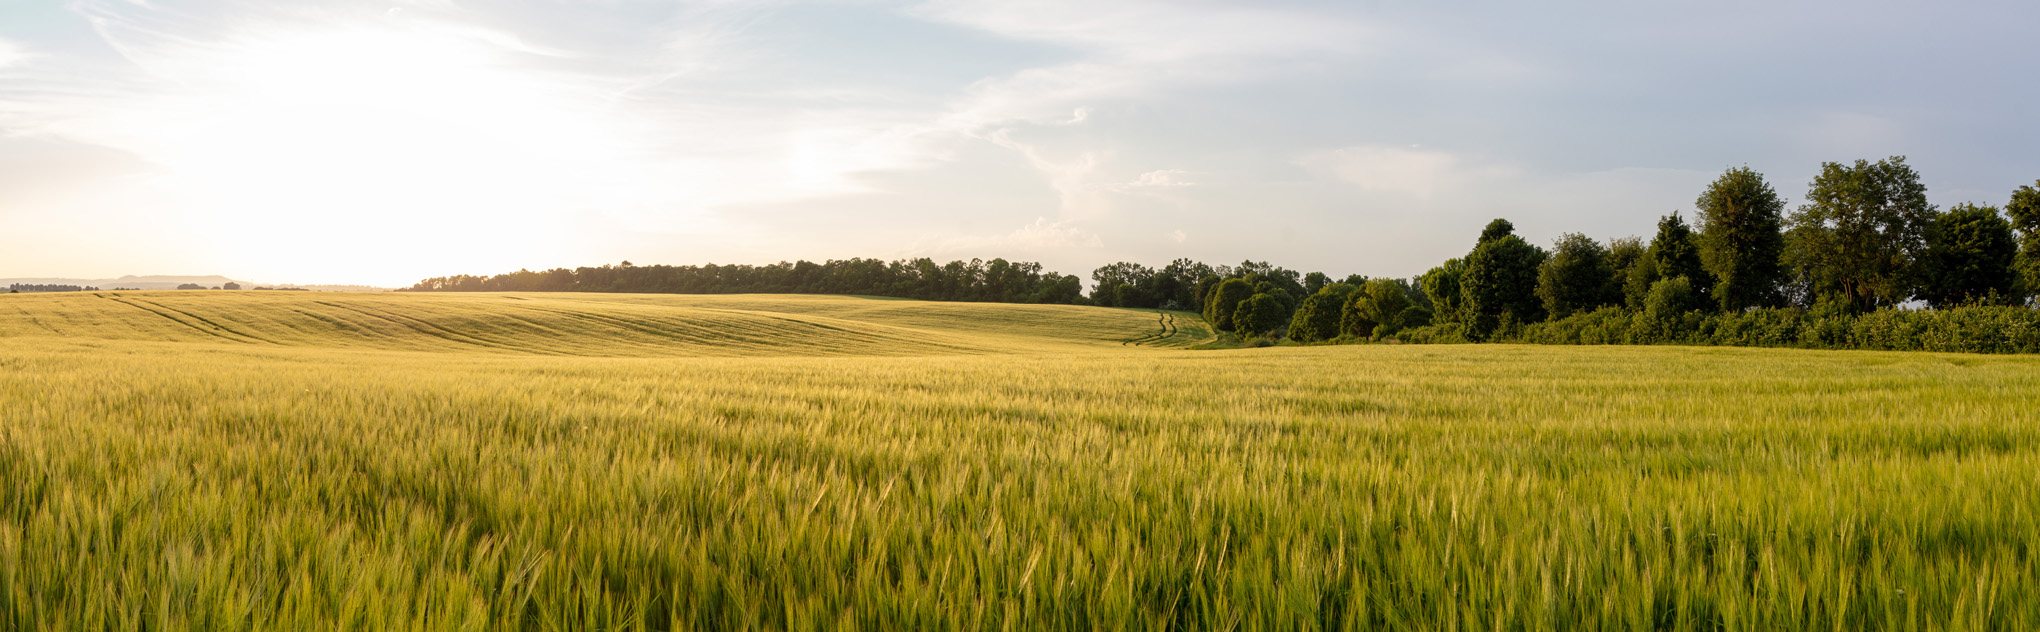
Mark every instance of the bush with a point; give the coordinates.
(1443, 333)
(1829, 325)
(1259, 315)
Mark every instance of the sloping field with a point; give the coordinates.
(614, 325)
(244, 461)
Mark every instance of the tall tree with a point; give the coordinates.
(1377, 309)
(1259, 315)
(1124, 284)
(2025, 211)
(1623, 253)
(1862, 231)
(1441, 284)
(1317, 318)
(1576, 277)
(1224, 300)
(1742, 240)
(1971, 255)
(1315, 281)
(1500, 284)
(1677, 254)
(1496, 229)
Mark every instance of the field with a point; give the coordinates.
(223, 461)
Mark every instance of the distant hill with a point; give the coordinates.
(170, 282)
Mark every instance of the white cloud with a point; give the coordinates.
(12, 54)
(1411, 170)
(1163, 178)
(1178, 236)
(1039, 236)
(1046, 234)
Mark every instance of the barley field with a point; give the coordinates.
(307, 461)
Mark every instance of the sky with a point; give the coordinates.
(385, 142)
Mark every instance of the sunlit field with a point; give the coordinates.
(266, 461)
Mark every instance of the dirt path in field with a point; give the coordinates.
(1168, 330)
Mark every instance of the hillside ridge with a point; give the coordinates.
(621, 325)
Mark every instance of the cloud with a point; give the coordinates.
(12, 54)
(1163, 178)
(1412, 170)
(1041, 235)
(1046, 234)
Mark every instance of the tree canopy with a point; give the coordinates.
(1861, 230)
(1741, 241)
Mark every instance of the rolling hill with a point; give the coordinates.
(596, 325)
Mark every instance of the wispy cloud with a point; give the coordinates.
(1409, 170)
(11, 54)
(431, 136)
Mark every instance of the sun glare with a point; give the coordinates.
(424, 145)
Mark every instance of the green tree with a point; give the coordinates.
(1496, 229)
(2025, 211)
(1383, 303)
(1441, 284)
(1624, 254)
(1576, 277)
(1500, 284)
(1971, 255)
(1259, 315)
(1124, 284)
(1224, 300)
(1742, 242)
(1667, 304)
(1677, 254)
(1315, 281)
(1862, 231)
(1317, 318)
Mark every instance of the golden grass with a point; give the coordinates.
(1028, 472)
(610, 325)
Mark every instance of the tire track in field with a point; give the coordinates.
(179, 321)
(428, 329)
(203, 319)
(1168, 324)
(38, 322)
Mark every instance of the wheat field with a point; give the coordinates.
(301, 461)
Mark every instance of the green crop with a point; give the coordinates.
(226, 461)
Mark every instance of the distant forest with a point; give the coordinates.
(1865, 262)
(997, 280)
(31, 287)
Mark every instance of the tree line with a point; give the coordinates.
(17, 288)
(1864, 262)
(997, 280)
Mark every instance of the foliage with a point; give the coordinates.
(1224, 300)
(1624, 255)
(2024, 210)
(1315, 281)
(1861, 231)
(1260, 315)
(1500, 285)
(1128, 284)
(1676, 253)
(997, 280)
(1441, 285)
(1742, 241)
(1317, 318)
(1576, 278)
(1971, 257)
(1377, 309)
(1496, 229)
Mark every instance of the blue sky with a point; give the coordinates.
(382, 142)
